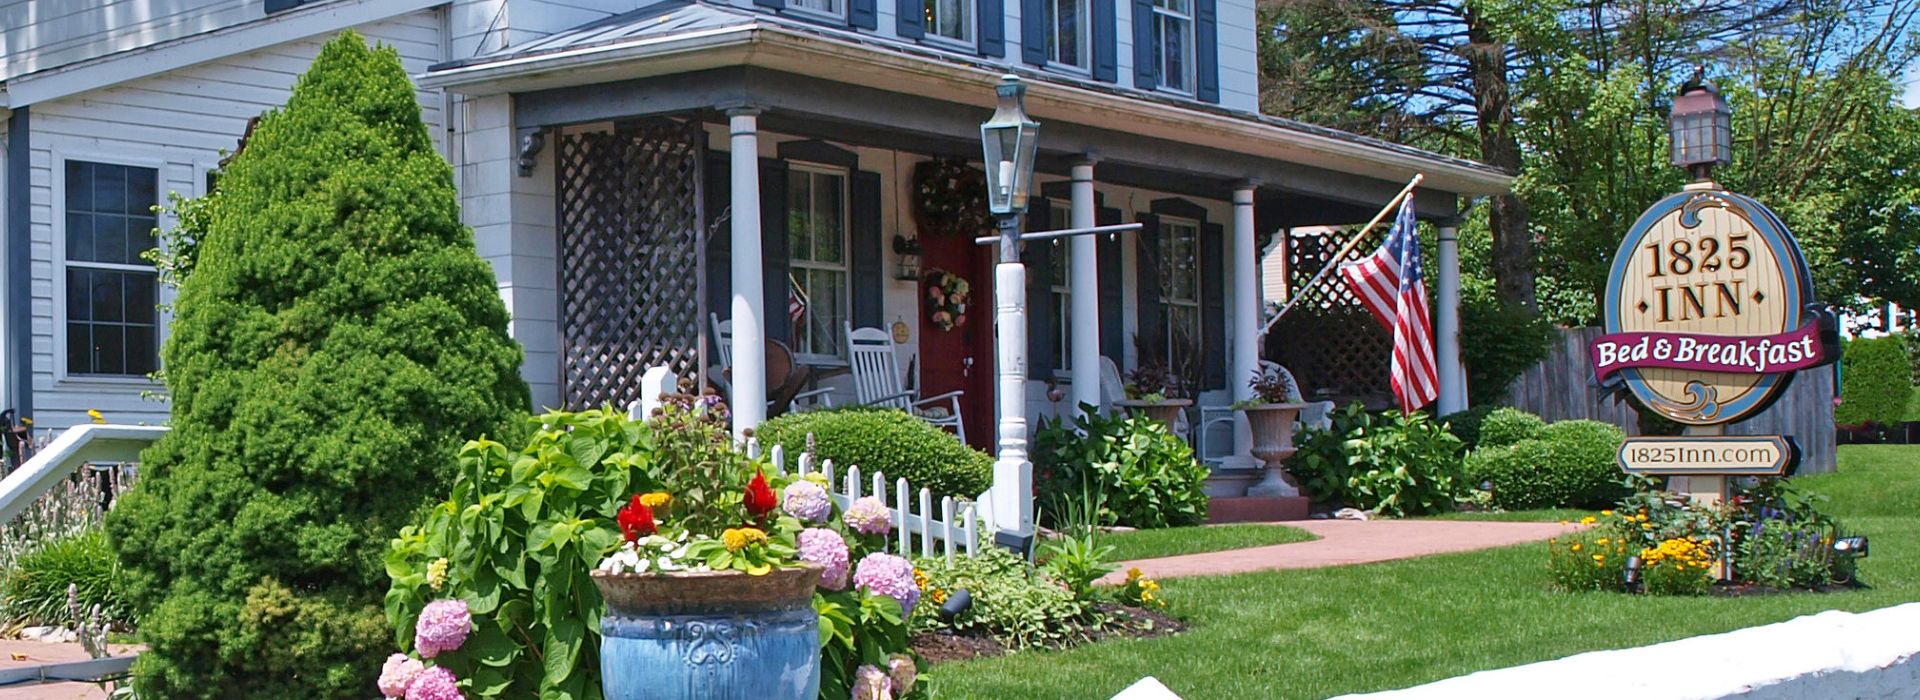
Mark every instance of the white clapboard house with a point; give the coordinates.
(597, 150)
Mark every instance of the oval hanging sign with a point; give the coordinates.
(1706, 309)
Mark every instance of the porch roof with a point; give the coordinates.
(749, 58)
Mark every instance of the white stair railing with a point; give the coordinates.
(79, 445)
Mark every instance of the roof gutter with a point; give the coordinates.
(780, 48)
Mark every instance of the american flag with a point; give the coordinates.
(1388, 282)
(796, 300)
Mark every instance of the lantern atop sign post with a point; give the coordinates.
(1700, 128)
(1009, 141)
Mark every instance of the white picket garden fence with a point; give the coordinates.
(956, 527)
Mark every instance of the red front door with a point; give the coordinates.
(960, 359)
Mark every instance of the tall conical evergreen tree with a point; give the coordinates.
(337, 339)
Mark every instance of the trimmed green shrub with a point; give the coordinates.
(888, 441)
(1875, 382)
(1571, 464)
(1508, 339)
(1137, 473)
(1389, 463)
(1466, 424)
(34, 592)
(337, 338)
(1508, 426)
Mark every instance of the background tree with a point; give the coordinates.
(336, 338)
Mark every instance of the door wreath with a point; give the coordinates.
(947, 299)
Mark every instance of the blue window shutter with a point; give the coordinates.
(863, 14)
(716, 199)
(1206, 50)
(869, 267)
(1213, 306)
(775, 4)
(773, 248)
(1106, 53)
(912, 16)
(1043, 330)
(1145, 74)
(993, 27)
(272, 6)
(1151, 340)
(1033, 31)
(1113, 331)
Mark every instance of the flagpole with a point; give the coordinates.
(1334, 261)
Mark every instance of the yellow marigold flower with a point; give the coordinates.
(1646, 526)
(1602, 542)
(937, 596)
(1133, 574)
(919, 578)
(656, 500)
(1150, 585)
(740, 538)
(1607, 513)
(437, 574)
(1599, 557)
(1589, 520)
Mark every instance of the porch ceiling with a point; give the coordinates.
(681, 58)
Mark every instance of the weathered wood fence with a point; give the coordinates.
(1561, 388)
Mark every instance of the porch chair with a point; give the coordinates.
(877, 381)
(723, 341)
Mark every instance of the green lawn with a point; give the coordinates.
(1315, 633)
(1147, 544)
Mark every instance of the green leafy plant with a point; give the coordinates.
(1466, 424)
(1571, 464)
(1783, 538)
(337, 338)
(1140, 474)
(1508, 339)
(857, 629)
(1590, 560)
(1014, 603)
(1151, 382)
(34, 591)
(1077, 561)
(1508, 426)
(1875, 381)
(1389, 463)
(888, 441)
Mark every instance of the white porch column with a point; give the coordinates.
(749, 378)
(1446, 325)
(1085, 279)
(1246, 322)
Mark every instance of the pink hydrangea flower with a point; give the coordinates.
(397, 674)
(435, 683)
(829, 550)
(443, 626)
(807, 501)
(868, 516)
(888, 575)
(871, 683)
(902, 670)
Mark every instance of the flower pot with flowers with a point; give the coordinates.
(1148, 388)
(1271, 415)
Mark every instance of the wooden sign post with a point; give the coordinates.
(1708, 315)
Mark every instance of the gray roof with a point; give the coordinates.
(676, 17)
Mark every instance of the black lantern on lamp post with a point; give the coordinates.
(1700, 129)
(1009, 140)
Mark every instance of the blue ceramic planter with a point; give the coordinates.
(710, 636)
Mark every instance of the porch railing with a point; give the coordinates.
(955, 526)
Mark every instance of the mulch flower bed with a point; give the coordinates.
(1123, 622)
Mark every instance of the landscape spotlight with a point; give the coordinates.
(1633, 573)
(1851, 547)
(957, 602)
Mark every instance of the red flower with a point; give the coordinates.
(759, 499)
(635, 520)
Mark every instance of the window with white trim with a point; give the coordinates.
(950, 19)
(817, 215)
(112, 324)
(1179, 271)
(1068, 30)
(1060, 288)
(1173, 43)
(836, 9)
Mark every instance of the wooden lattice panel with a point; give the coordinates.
(1332, 345)
(630, 258)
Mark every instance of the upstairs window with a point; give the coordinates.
(1173, 43)
(950, 19)
(112, 327)
(836, 9)
(1067, 32)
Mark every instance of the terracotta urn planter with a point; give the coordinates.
(1272, 426)
(1167, 411)
(710, 634)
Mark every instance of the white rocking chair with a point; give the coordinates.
(723, 341)
(876, 381)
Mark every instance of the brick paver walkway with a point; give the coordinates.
(16, 653)
(1349, 542)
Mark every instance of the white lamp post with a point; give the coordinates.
(1008, 142)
